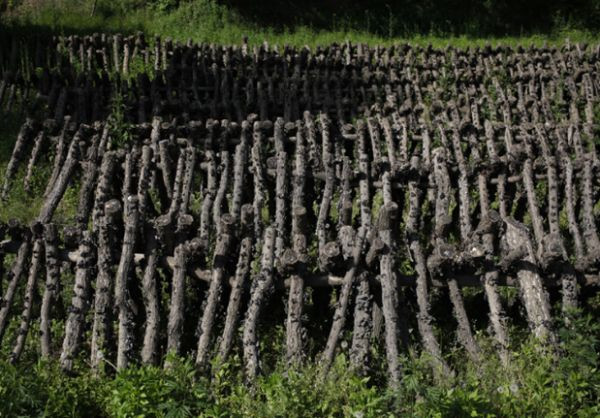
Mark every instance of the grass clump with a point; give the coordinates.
(218, 22)
(537, 382)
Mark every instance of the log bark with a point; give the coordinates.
(424, 319)
(498, 319)
(294, 343)
(35, 155)
(239, 171)
(104, 187)
(363, 323)
(34, 269)
(90, 173)
(103, 297)
(442, 218)
(258, 174)
(362, 326)
(389, 286)
(339, 317)
(177, 308)
(23, 138)
(220, 260)
(281, 191)
(219, 203)
(122, 297)
(151, 294)
(534, 295)
(59, 155)
(58, 191)
(242, 273)
(79, 303)
(52, 288)
(15, 274)
(261, 289)
(211, 187)
(324, 207)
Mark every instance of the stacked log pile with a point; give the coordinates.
(228, 178)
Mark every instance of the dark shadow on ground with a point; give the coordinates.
(396, 18)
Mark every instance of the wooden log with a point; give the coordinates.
(59, 188)
(164, 163)
(52, 288)
(35, 155)
(239, 169)
(224, 169)
(220, 260)
(554, 245)
(15, 274)
(150, 291)
(242, 273)
(281, 192)
(345, 201)
(103, 296)
(497, 315)
(389, 287)
(122, 297)
(151, 294)
(34, 268)
(574, 230)
(79, 303)
(23, 138)
(294, 343)
(464, 333)
(590, 233)
(176, 311)
(90, 173)
(314, 158)
(259, 181)
(324, 207)
(532, 204)
(362, 326)
(104, 187)
(261, 289)
(424, 319)
(131, 159)
(533, 293)
(144, 179)
(211, 187)
(339, 317)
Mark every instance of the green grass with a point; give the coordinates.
(209, 21)
(535, 383)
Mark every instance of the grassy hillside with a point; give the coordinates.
(535, 383)
(277, 22)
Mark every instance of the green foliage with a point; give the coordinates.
(541, 191)
(310, 23)
(120, 128)
(42, 389)
(150, 391)
(376, 204)
(536, 382)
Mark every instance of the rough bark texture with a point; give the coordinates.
(52, 287)
(103, 297)
(79, 303)
(261, 287)
(122, 297)
(34, 269)
(242, 273)
(220, 260)
(15, 274)
(533, 294)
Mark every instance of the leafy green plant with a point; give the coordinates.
(120, 128)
